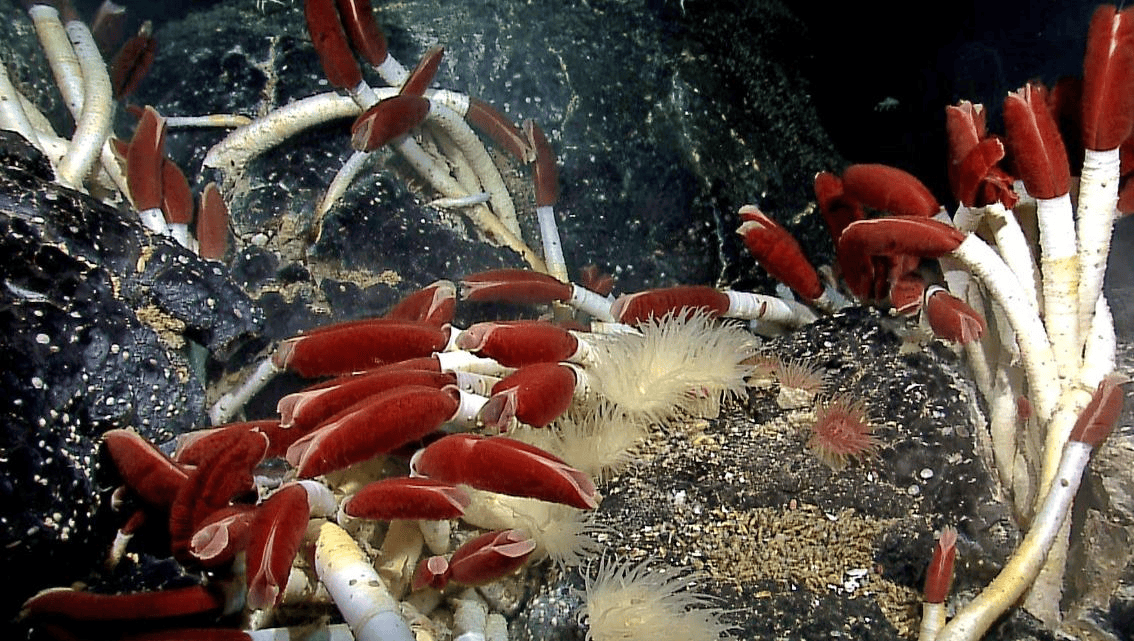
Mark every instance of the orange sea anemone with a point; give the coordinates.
(842, 431)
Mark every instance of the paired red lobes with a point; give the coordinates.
(277, 531)
(535, 395)
(779, 253)
(358, 345)
(514, 286)
(408, 498)
(658, 303)
(1037, 149)
(1108, 79)
(519, 343)
(326, 31)
(504, 465)
(378, 425)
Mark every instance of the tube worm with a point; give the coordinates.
(306, 409)
(176, 203)
(365, 34)
(1108, 116)
(339, 65)
(144, 169)
(504, 465)
(546, 177)
(407, 498)
(486, 558)
(77, 605)
(434, 304)
(212, 224)
(778, 252)
(419, 79)
(1041, 162)
(500, 129)
(376, 425)
(951, 318)
(975, 178)
(519, 343)
(528, 287)
(1095, 423)
(146, 470)
(386, 120)
(220, 475)
(535, 395)
(275, 536)
(363, 599)
(937, 579)
(357, 345)
(133, 61)
(889, 189)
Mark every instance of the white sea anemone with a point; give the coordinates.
(680, 363)
(632, 602)
(564, 533)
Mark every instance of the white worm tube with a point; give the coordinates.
(362, 598)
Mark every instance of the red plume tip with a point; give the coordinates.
(1108, 79)
(1101, 414)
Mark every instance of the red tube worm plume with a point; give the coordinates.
(1108, 79)
(842, 431)
(891, 238)
(221, 536)
(434, 304)
(212, 224)
(490, 556)
(838, 209)
(504, 465)
(220, 475)
(593, 278)
(419, 79)
(778, 252)
(683, 300)
(514, 286)
(148, 472)
(386, 120)
(432, 572)
(940, 572)
(77, 605)
(132, 62)
(545, 174)
(339, 65)
(974, 177)
(906, 294)
(377, 425)
(144, 160)
(363, 29)
(535, 395)
(407, 498)
(500, 129)
(197, 446)
(1033, 137)
(304, 410)
(889, 189)
(1101, 414)
(951, 318)
(276, 533)
(108, 26)
(176, 198)
(519, 343)
(355, 346)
